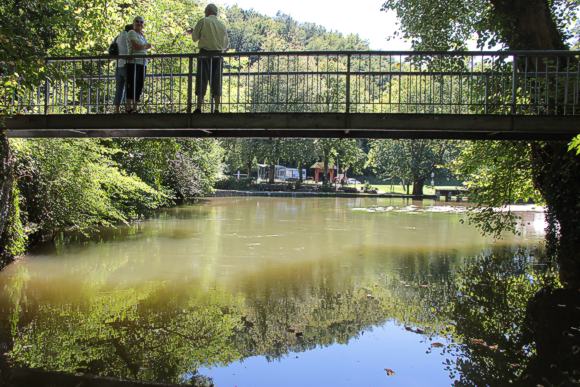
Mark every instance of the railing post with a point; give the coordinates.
(348, 56)
(190, 86)
(514, 83)
(46, 87)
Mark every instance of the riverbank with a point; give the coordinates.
(309, 194)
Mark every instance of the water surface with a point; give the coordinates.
(259, 292)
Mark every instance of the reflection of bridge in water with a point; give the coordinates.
(471, 95)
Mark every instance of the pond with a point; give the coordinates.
(280, 292)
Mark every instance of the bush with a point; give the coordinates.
(74, 185)
(232, 183)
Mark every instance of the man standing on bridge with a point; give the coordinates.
(213, 40)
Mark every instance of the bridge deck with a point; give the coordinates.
(361, 125)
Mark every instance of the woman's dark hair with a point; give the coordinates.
(128, 27)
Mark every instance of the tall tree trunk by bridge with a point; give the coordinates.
(418, 184)
(6, 189)
(529, 25)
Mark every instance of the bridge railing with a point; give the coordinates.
(524, 82)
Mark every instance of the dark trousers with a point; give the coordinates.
(135, 80)
(209, 69)
(121, 90)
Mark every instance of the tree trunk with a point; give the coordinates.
(6, 189)
(405, 186)
(529, 25)
(325, 175)
(557, 177)
(418, 184)
(249, 168)
(300, 177)
(272, 174)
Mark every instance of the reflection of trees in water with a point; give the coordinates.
(164, 332)
(489, 318)
(125, 334)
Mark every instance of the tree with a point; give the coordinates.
(519, 25)
(498, 174)
(300, 152)
(347, 153)
(27, 30)
(410, 160)
(74, 185)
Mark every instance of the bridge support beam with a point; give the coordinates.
(355, 125)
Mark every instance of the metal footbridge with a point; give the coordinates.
(512, 95)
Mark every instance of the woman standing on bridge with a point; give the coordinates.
(138, 45)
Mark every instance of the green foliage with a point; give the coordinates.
(450, 25)
(232, 183)
(75, 185)
(16, 235)
(300, 152)
(410, 160)
(252, 31)
(497, 174)
(347, 153)
(575, 145)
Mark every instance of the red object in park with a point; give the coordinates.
(319, 171)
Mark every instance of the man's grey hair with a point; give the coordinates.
(211, 9)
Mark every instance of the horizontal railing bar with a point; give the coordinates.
(530, 76)
(329, 53)
(280, 74)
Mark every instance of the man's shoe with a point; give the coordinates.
(197, 111)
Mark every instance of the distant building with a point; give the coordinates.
(281, 173)
(319, 171)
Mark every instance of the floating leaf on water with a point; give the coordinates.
(389, 372)
(437, 345)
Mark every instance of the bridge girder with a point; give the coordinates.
(296, 125)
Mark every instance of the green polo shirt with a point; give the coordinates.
(211, 34)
